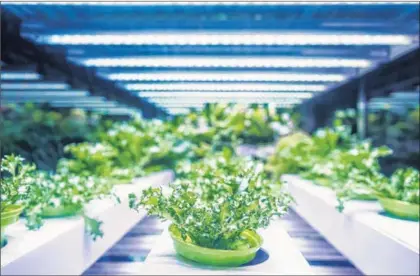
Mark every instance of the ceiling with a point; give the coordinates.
(184, 54)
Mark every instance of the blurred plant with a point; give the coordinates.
(40, 135)
(65, 191)
(16, 181)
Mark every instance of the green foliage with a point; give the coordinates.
(216, 199)
(16, 180)
(88, 159)
(63, 190)
(215, 223)
(402, 185)
(40, 135)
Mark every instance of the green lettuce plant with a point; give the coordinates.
(89, 159)
(402, 185)
(214, 218)
(65, 191)
(16, 181)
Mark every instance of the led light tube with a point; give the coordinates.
(224, 100)
(228, 38)
(36, 86)
(207, 3)
(226, 62)
(226, 76)
(224, 87)
(19, 76)
(35, 94)
(75, 100)
(242, 95)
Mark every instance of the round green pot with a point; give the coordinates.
(216, 257)
(118, 181)
(61, 211)
(364, 195)
(400, 208)
(323, 181)
(9, 216)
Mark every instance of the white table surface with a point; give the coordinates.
(376, 243)
(284, 258)
(61, 246)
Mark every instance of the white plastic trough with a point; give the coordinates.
(375, 243)
(61, 246)
(284, 258)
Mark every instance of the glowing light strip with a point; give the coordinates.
(226, 76)
(225, 39)
(226, 62)
(206, 100)
(85, 104)
(220, 95)
(19, 76)
(405, 95)
(205, 3)
(224, 87)
(171, 104)
(77, 100)
(36, 86)
(34, 94)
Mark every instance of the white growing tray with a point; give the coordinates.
(61, 246)
(283, 258)
(376, 244)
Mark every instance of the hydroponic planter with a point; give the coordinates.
(61, 246)
(227, 258)
(62, 211)
(376, 243)
(400, 208)
(277, 256)
(8, 217)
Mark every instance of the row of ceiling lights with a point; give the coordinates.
(227, 39)
(209, 3)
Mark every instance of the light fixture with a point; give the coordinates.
(224, 87)
(19, 76)
(84, 104)
(207, 3)
(226, 62)
(226, 76)
(200, 106)
(35, 86)
(227, 38)
(223, 100)
(41, 94)
(220, 95)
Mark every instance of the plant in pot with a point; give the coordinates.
(218, 230)
(62, 195)
(362, 159)
(16, 182)
(397, 194)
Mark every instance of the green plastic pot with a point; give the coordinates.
(9, 216)
(400, 208)
(216, 257)
(323, 181)
(61, 211)
(364, 195)
(118, 181)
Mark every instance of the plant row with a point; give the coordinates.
(117, 152)
(335, 158)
